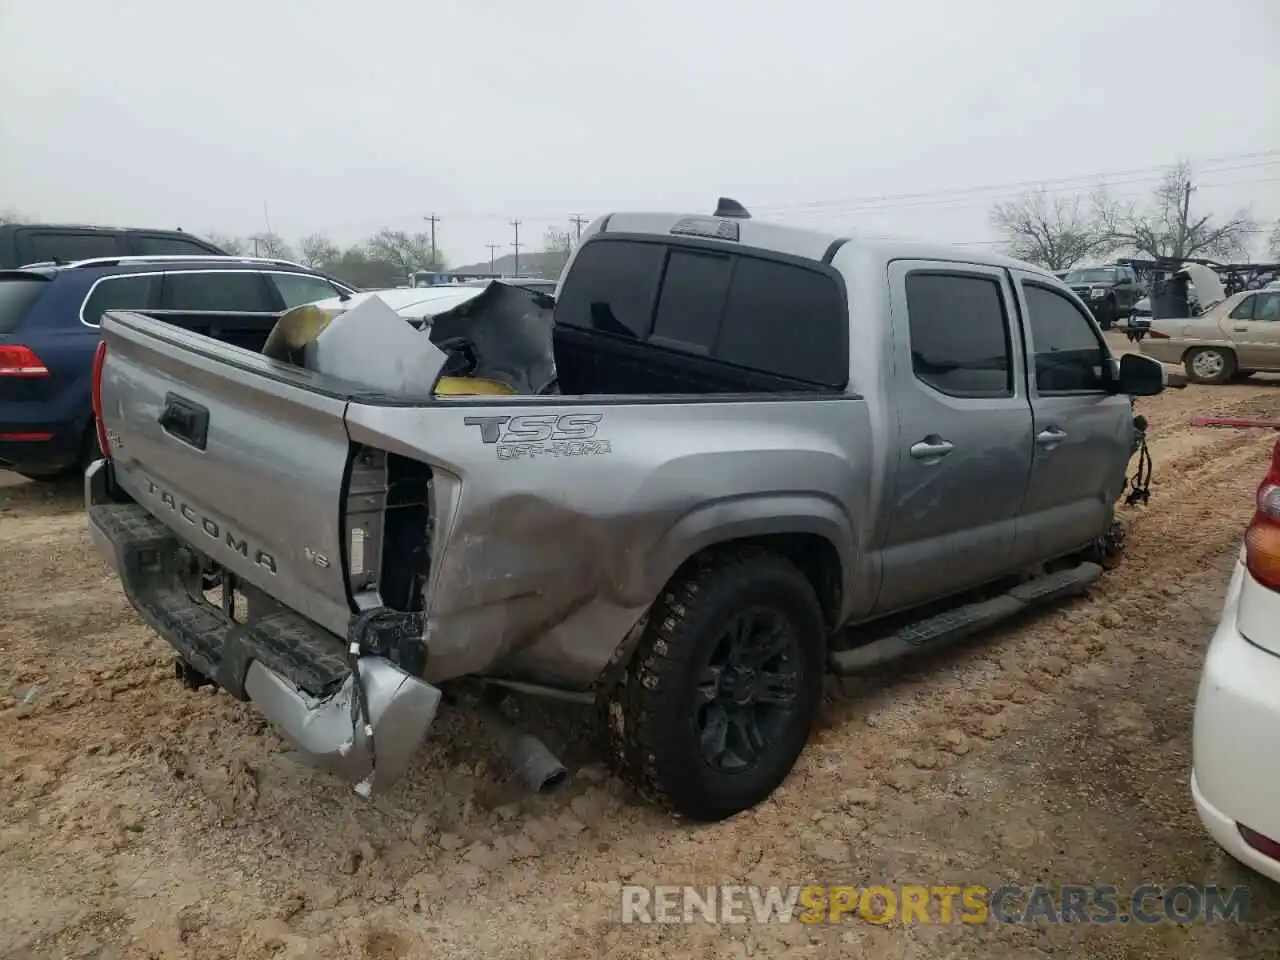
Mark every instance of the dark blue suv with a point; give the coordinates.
(49, 317)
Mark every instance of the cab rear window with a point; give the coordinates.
(747, 309)
(17, 296)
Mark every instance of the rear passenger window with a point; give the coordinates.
(694, 289)
(219, 291)
(1244, 309)
(1267, 307)
(785, 320)
(118, 293)
(299, 288)
(160, 246)
(40, 246)
(959, 335)
(17, 296)
(611, 288)
(1068, 354)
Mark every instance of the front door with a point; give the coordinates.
(1253, 327)
(1083, 431)
(961, 450)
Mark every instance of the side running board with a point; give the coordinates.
(937, 631)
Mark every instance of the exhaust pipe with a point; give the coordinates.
(528, 756)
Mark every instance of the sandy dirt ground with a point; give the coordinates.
(138, 819)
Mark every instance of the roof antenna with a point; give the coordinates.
(731, 208)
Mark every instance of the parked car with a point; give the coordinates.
(29, 243)
(1237, 337)
(49, 329)
(528, 283)
(1110, 291)
(415, 304)
(1234, 784)
(760, 453)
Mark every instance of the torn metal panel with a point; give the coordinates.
(496, 340)
(368, 344)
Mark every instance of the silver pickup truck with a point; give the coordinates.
(727, 457)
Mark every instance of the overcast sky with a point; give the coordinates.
(344, 117)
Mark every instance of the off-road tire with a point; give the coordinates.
(1223, 375)
(649, 716)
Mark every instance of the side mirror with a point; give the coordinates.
(1140, 376)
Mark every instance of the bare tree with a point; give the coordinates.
(268, 244)
(317, 250)
(1273, 243)
(1053, 232)
(224, 241)
(557, 245)
(9, 215)
(407, 251)
(1166, 228)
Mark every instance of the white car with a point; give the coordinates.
(415, 304)
(1235, 777)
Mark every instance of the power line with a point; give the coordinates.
(516, 245)
(816, 215)
(492, 247)
(578, 220)
(978, 194)
(1154, 172)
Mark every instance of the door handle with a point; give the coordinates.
(184, 420)
(1240, 329)
(931, 448)
(1050, 437)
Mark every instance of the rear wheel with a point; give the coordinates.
(1210, 365)
(723, 687)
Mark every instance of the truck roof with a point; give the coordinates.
(806, 243)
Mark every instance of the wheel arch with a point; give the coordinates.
(812, 532)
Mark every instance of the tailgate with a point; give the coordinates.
(244, 458)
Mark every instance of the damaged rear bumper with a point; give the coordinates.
(296, 673)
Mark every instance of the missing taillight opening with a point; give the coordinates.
(99, 358)
(1262, 538)
(406, 545)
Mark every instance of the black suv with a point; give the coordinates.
(1110, 291)
(24, 243)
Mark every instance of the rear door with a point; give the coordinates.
(234, 306)
(962, 447)
(1253, 327)
(1083, 431)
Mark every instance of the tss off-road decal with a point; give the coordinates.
(542, 435)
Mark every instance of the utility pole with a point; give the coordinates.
(492, 247)
(516, 246)
(1186, 213)
(578, 220)
(433, 220)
